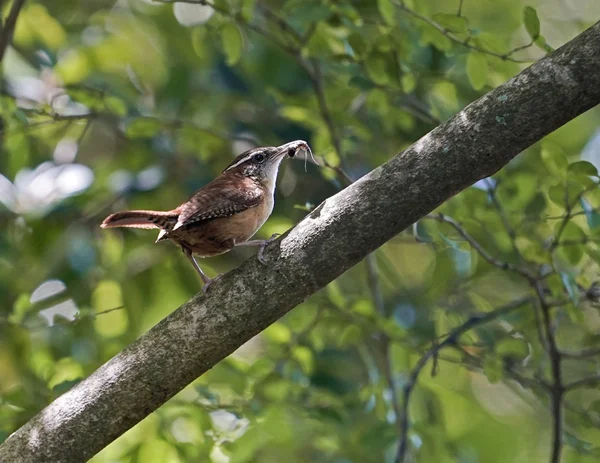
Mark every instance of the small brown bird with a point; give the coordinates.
(223, 214)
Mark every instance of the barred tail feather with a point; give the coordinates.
(141, 219)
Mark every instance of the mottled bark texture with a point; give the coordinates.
(472, 145)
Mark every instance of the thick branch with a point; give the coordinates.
(339, 233)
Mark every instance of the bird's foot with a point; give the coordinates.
(210, 281)
(263, 246)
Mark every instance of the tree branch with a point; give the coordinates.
(8, 27)
(338, 234)
(480, 249)
(450, 340)
(466, 42)
(557, 389)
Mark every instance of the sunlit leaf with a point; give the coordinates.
(376, 68)
(247, 9)
(554, 159)
(451, 22)
(387, 11)
(514, 348)
(583, 168)
(531, 22)
(493, 368)
(304, 356)
(477, 70)
(232, 42)
(279, 333)
(143, 127)
(359, 44)
(106, 297)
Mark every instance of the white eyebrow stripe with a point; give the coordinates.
(241, 161)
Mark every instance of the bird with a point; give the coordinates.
(223, 214)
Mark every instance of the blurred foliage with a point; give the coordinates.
(135, 104)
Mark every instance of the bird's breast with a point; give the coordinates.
(245, 224)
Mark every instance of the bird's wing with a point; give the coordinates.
(218, 199)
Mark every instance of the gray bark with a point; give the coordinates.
(339, 233)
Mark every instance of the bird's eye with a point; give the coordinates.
(259, 157)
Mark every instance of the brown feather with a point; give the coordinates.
(223, 197)
(141, 219)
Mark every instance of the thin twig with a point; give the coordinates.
(8, 26)
(582, 354)
(557, 389)
(466, 42)
(480, 249)
(567, 217)
(173, 124)
(452, 339)
(503, 217)
(590, 381)
(281, 23)
(388, 372)
(237, 18)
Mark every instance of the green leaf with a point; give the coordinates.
(477, 70)
(583, 168)
(358, 44)
(232, 42)
(278, 333)
(318, 43)
(108, 295)
(304, 356)
(378, 101)
(143, 127)
(540, 42)
(571, 231)
(493, 368)
(387, 12)
(531, 22)
(157, 451)
(351, 335)
(20, 308)
(348, 12)
(572, 252)
(116, 105)
(364, 307)
(409, 83)
(335, 294)
(247, 10)
(554, 159)
(536, 206)
(451, 22)
(532, 249)
(515, 348)
(376, 68)
(594, 407)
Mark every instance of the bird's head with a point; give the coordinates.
(261, 164)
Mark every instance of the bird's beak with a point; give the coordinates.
(293, 148)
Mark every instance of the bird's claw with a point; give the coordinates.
(210, 282)
(261, 251)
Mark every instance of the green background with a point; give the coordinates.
(136, 104)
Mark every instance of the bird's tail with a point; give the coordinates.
(141, 219)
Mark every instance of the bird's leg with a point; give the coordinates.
(205, 279)
(263, 245)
